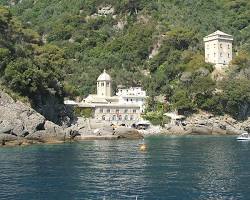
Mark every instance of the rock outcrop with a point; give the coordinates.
(207, 124)
(19, 122)
(127, 133)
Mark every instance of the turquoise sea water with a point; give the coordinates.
(193, 167)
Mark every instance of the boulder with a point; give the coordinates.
(104, 131)
(45, 137)
(32, 121)
(6, 130)
(6, 138)
(218, 131)
(127, 133)
(201, 130)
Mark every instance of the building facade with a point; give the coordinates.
(133, 95)
(218, 48)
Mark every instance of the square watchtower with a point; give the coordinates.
(218, 48)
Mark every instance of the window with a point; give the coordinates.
(126, 117)
(228, 46)
(101, 110)
(220, 45)
(102, 84)
(107, 84)
(126, 110)
(117, 110)
(228, 55)
(120, 117)
(214, 45)
(131, 100)
(131, 117)
(220, 54)
(214, 54)
(134, 111)
(114, 117)
(103, 117)
(108, 110)
(127, 99)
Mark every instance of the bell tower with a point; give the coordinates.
(104, 88)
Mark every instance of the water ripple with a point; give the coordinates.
(172, 168)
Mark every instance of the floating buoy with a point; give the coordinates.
(143, 147)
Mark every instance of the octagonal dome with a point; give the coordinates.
(104, 77)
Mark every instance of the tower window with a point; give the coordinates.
(103, 117)
(108, 110)
(220, 45)
(107, 84)
(126, 110)
(214, 54)
(102, 84)
(228, 55)
(228, 46)
(134, 111)
(101, 110)
(117, 111)
(220, 54)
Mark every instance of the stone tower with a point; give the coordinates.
(104, 88)
(218, 48)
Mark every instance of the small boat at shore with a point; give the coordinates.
(244, 136)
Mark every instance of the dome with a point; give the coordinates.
(104, 77)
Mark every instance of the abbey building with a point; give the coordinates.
(125, 107)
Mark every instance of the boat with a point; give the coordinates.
(244, 136)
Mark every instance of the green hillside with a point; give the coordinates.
(87, 36)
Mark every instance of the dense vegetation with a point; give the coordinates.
(60, 48)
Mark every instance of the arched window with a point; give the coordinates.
(103, 117)
(114, 117)
(120, 117)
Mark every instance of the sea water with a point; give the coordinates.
(192, 167)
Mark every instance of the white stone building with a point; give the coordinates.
(133, 95)
(218, 48)
(125, 108)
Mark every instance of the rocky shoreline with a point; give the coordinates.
(22, 125)
(207, 124)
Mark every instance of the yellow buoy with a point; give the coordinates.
(143, 147)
